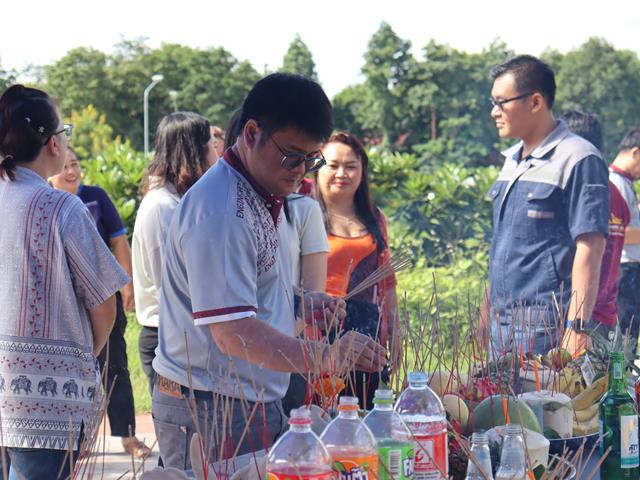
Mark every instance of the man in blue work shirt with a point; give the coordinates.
(550, 218)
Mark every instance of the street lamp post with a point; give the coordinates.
(173, 95)
(155, 79)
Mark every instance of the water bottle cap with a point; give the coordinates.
(348, 403)
(514, 429)
(300, 416)
(479, 437)
(417, 377)
(383, 396)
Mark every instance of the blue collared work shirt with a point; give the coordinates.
(541, 204)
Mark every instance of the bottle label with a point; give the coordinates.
(629, 441)
(293, 473)
(431, 458)
(588, 373)
(617, 371)
(396, 462)
(355, 468)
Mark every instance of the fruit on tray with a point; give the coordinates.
(557, 412)
(457, 410)
(557, 358)
(589, 427)
(586, 414)
(491, 412)
(443, 382)
(591, 395)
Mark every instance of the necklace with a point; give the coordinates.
(349, 220)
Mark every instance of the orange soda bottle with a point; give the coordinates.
(299, 454)
(351, 444)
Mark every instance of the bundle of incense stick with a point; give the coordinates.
(397, 262)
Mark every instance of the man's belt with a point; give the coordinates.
(177, 390)
(168, 387)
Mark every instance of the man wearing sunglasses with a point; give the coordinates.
(550, 218)
(227, 307)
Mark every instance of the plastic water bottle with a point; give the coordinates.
(423, 413)
(482, 456)
(299, 453)
(395, 443)
(513, 464)
(351, 444)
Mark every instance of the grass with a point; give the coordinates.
(139, 381)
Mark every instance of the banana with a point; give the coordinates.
(591, 395)
(586, 428)
(581, 416)
(567, 378)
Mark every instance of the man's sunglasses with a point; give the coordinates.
(312, 161)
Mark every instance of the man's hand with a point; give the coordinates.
(575, 343)
(128, 302)
(355, 351)
(320, 307)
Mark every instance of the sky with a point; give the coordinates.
(40, 32)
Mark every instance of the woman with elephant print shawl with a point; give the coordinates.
(57, 286)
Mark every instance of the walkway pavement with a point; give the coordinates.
(111, 463)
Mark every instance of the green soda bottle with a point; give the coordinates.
(395, 442)
(619, 425)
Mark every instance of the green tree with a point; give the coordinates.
(79, 79)
(350, 109)
(6, 78)
(387, 69)
(211, 82)
(91, 133)
(299, 59)
(598, 78)
(449, 108)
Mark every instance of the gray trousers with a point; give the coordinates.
(220, 427)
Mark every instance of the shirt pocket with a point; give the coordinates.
(538, 215)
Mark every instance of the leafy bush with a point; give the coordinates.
(118, 170)
(439, 212)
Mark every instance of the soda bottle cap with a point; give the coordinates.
(300, 416)
(417, 377)
(383, 396)
(348, 403)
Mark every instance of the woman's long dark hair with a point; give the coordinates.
(365, 209)
(28, 119)
(181, 151)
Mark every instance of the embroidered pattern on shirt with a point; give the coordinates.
(252, 209)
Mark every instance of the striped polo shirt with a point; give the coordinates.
(226, 258)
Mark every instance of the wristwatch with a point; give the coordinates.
(578, 325)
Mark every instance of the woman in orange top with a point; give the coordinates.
(358, 245)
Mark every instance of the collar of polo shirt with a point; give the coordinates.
(272, 202)
(541, 151)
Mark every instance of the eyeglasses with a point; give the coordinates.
(500, 103)
(312, 161)
(67, 129)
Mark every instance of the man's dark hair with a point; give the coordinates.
(630, 140)
(531, 75)
(587, 125)
(283, 100)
